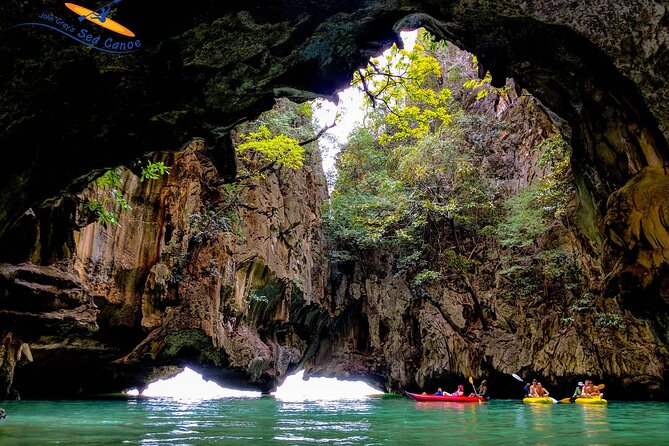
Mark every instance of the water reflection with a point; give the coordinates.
(331, 422)
(447, 406)
(595, 421)
(269, 422)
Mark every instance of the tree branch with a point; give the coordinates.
(365, 87)
(317, 135)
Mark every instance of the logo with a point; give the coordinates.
(94, 37)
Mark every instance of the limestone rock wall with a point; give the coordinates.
(486, 322)
(193, 274)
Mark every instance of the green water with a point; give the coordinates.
(373, 421)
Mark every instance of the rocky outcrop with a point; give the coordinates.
(193, 274)
(548, 312)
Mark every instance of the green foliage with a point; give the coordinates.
(426, 276)
(457, 261)
(153, 171)
(104, 217)
(285, 118)
(431, 188)
(263, 148)
(110, 200)
(273, 140)
(556, 188)
(306, 109)
(407, 84)
(110, 180)
(524, 223)
(409, 260)
(559, 265)
(405, 176)
(482, 86)
(613, 321)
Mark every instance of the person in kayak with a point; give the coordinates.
(590, 390)
(539, 391)
(439, 391)
(483, 390)
(532, 387)
(459, 392)
(577, 392)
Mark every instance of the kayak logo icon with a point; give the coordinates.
(99, 17)
(96, 37)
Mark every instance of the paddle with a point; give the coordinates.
(518, 378)
(471, 381)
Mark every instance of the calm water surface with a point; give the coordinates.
(266, 421)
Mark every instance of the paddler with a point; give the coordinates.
(539, 391)
(483, 389)
(591, 390)
(578, 392)
(459, 392)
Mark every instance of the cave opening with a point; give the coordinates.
(190, 385)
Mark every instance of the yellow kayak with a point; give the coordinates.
(532, 400)
(591, 400)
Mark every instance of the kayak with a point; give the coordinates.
(447, 398)
(591, 400)
(532, 400)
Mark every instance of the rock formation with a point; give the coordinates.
(185, 278)
(69, 113)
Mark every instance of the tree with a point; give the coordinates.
(407, 85)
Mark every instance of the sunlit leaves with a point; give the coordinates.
(482, 86)
(280, 150)
(407, 84)
(110, 198)
(153, 170)
(109, 180)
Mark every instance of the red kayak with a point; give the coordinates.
(452, 399)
